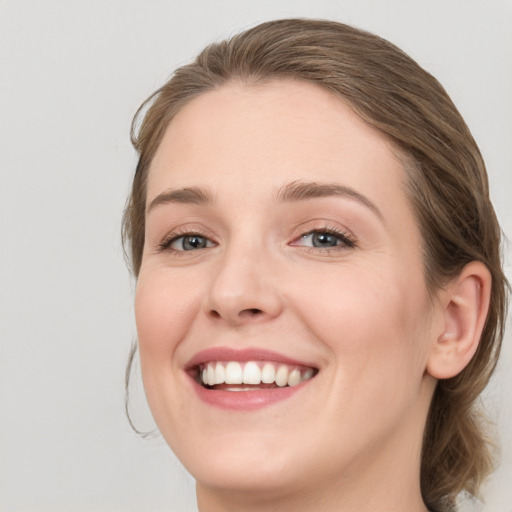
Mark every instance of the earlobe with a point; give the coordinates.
(465, 305)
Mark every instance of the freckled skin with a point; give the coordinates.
(351, 439)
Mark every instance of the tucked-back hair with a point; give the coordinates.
(446, 182)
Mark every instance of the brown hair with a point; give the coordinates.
(447, 184)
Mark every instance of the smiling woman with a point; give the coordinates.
(319, 299)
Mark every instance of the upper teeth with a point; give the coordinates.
(254, 373)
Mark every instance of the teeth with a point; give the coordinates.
(294, 378)
(268, 373)
(220, 373)
(233, 373)
(210, 374)
(282, 376)
(307, 374)
(252, 373)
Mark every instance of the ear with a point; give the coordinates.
(465, 303)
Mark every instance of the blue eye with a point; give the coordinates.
(321, 239)
(189, 242)
(325, 239)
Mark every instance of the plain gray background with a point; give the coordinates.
(72, 74)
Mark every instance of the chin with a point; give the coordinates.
(242, 462)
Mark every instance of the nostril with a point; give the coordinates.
(249, 313)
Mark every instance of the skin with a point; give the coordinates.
(350, 440)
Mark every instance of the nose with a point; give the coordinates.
(243, 289)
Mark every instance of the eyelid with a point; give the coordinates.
(180, 232)
(348, 240)
(208, 245)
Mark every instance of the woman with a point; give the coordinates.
(320, 299)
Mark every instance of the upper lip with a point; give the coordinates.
(242, 355)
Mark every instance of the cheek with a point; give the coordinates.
(163, 314)
(371, 320)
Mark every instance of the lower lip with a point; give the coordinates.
(245, 400)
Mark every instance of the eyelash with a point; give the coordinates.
(165, 244)
(346, 239)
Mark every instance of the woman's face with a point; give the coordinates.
(281, 249)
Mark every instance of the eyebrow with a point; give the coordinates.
(188, 195)
(294, 191)
(302, 191)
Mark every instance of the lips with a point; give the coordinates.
(260, 377)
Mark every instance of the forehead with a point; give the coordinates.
(257, 137)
